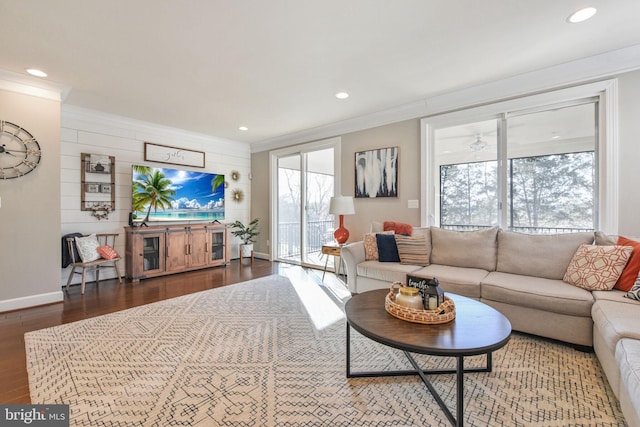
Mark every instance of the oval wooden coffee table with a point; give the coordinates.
(477, 329)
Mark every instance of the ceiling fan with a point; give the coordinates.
(478, 144)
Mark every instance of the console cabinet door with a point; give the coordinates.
(198, 246)
(217, 246)
(177, 249)
(145, 254)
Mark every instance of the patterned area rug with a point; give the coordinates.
(271, 352)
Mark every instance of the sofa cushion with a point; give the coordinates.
(535, 292)
(412, 250)
(616, 320)
(377, 226)
(472, 249)
(597, 267)
(386, 271)
(630, 273)
(538, 255)
(634, 293)
(398, 227)
(628, 360)
(387, 248)
(457, 280)
(371, 245)
(604, 239)
(612, 295)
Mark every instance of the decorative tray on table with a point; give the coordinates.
(445, 312)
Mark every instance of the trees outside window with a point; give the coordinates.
(545, 193)
(533, 171)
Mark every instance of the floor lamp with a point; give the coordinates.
(341, 205)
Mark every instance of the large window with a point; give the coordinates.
(535, 167)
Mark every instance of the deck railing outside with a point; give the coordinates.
(289, 237)
(529, 230)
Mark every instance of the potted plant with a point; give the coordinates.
(246, 233)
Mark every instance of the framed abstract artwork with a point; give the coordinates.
(377, 173)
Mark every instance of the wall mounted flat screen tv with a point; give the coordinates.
(163, 194)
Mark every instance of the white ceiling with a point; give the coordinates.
(210, 66)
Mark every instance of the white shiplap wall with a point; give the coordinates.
(86, 131)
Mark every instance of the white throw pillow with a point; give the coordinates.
(88, 248)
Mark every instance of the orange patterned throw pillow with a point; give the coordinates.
(371, 246)
(597, 268)
(107, 252)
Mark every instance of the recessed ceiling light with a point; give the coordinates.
(36, 72)
(243, 128)
(581, 15)
(342, 95)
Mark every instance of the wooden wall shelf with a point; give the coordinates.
(97, 182)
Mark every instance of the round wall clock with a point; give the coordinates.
(19, 151)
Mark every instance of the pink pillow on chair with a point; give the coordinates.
(107, 252)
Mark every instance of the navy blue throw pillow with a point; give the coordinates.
(387, 249)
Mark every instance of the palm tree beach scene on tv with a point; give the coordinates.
(163, 194)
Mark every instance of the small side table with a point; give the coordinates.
(334, 249)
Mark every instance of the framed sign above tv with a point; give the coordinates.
(173, 155)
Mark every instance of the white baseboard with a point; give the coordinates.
(259, 255)
(30, 301)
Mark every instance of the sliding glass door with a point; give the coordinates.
(304, 184)
(288, 240)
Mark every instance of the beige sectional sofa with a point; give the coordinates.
(521, 275)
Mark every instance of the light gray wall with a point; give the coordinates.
(406, 135)
(30, 210)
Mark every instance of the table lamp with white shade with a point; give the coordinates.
(341, 205)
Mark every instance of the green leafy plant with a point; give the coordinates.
(246, 233)
(153, 189)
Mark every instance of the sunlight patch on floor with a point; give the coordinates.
(321, 308)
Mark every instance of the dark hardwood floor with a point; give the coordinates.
(107, 297)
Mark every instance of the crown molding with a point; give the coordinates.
(571, 73)
(137, 129)
(33, 86)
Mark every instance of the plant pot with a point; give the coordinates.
(246, 249)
